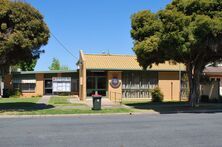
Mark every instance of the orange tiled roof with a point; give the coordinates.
(124, 62)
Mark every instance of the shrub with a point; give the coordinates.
(157, 95)
(36, 96)
(64, 94)
(204, 98)
(15, 93)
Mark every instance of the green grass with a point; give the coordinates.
(18, 104)
(17, 100)
(61, 105)
(59, 100)
(57, 105)
(62, 101)
(171, 107)
(69, 111)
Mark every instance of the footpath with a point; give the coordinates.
(44, 100)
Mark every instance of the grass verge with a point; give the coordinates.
(59, 100)
(19, 100)
(57, 105)
(171, 107)
(68, 111)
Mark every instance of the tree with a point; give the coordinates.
(186, 31)
(25, 66)
(57, 66)
(22, 33)
(28, 66)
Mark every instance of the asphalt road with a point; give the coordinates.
(194, 130)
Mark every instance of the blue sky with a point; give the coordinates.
(94, 26)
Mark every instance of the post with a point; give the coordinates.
(180, 82)
(171, 91)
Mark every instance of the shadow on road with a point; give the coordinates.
(23, 106)
(177, 107)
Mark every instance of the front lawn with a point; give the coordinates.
(171, 107)
(18, 100)
(56, 105)
(18, 104)
(59, 100)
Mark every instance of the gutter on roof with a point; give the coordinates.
(46, 72)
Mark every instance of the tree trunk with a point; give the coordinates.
(195, 95)
(194, 73)
(189, 69)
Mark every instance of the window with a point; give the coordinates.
(16, 86)
(28, 87)
(24, 83)
(138, 84)
(24, 87)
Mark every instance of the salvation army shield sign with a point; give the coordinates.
(115, 82)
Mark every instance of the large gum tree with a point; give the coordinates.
(186, 31)
(22, 33)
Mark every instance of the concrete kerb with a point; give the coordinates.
(108, 114)
(78, 115)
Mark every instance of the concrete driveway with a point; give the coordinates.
(167, 130)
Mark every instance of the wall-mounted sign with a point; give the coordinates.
(63, 79)
(115, 82)
(61, 84)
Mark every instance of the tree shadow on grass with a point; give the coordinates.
(177, 107)
(23, 106)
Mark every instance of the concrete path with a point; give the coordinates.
(44, 100)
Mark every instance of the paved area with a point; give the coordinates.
(45, 99)
(166, 130)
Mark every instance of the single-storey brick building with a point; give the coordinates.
(120, 76)
(36, 83)
(112, 76)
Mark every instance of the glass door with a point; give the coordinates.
(101, 85)
(96, 84)
(48, 86)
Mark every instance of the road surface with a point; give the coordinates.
(167, 130)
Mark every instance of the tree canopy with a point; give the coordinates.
(22, 33)
(28, 66)
(186, 31)
(57, 66)
(25, 65)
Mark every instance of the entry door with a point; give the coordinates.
(98, 84)
(48, 86)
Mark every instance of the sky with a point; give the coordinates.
(94, 26)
